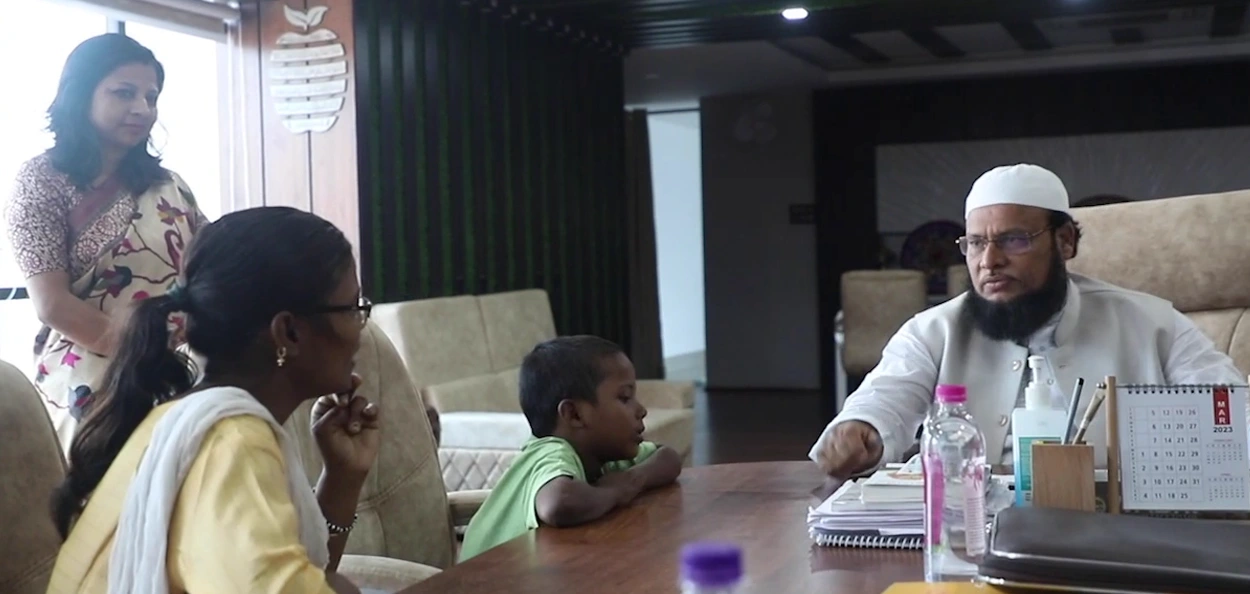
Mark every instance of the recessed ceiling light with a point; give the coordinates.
(794, 14)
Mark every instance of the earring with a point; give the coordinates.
(281, 356)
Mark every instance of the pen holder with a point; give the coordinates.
(1063, 476)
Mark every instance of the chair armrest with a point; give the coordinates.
(666, 394)
(464, 504)
(369, 572)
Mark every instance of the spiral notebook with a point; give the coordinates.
(845, 520)
(866, 541)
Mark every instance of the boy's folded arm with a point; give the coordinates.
(564, 502)
(660, 469)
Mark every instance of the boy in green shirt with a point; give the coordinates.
(587, 456)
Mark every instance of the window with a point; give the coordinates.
(44, 37)
(187, 135)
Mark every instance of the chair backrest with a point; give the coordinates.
(957, 280)
(403, 512)
(31, 466)
(515, 322)
(1192, 251)
(440, 340)
(464, 352)
(875, 304)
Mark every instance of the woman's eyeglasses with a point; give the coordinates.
(362, 309)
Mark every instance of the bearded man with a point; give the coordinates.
(1023, 301)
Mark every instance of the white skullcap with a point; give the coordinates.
(1024, 184)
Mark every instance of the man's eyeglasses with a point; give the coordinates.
(1012, 244)
(362, 309)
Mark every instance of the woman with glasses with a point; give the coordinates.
(96, 222)
(175, 486)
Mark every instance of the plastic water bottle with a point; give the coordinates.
(952, 452)
(711, 568)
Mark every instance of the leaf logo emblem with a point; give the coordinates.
(305, 20)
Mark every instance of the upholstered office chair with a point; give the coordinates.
(1192, 251)
(403, 527)
(875, 304)
(404, 531)
(957, 280)
(31, 466)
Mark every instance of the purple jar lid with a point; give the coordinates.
(711, 563)
(951, 393)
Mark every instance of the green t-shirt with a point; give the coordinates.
(509, 509)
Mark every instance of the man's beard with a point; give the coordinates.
(1018, 319)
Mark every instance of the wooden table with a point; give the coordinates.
(761, 506)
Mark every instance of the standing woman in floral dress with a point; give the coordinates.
(96, 222)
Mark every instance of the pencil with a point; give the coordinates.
(1090, 411)
(1076, 400)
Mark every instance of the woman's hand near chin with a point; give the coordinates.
(346, 429)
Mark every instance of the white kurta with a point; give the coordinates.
(1102, 330)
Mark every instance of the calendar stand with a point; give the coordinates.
(1113, 446)
(1177, 450)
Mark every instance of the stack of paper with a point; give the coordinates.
(887, 509)
(895, 485)
(846, 511)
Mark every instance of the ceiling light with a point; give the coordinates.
(794, 14)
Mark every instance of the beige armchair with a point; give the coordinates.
(465, 352)
(405, 520)
(405, 528)
(957, 280)
(1192, 251)
(31, 466)
(875, 304)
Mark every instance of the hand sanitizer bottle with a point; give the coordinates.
(1037, 421)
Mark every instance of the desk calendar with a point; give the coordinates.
(1183, 448)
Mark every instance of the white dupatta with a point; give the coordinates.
(141, 543)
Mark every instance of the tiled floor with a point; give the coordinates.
(755, 426)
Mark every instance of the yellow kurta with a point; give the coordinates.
(234, 526)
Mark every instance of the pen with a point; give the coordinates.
(1092, 410)
(1076, 399)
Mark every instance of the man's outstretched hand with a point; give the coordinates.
(853, 447)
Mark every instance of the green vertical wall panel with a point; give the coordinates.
(492, 159)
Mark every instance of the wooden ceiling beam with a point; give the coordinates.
(513, 10)
(935, 43)
(1127, 35)
(640, 23)
(801, 55)
(858, 49)
(1028, 36)
(1227, 19)
(892, 14)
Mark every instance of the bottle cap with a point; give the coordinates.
(711, 563)
(1037, 392)
(951, 393)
